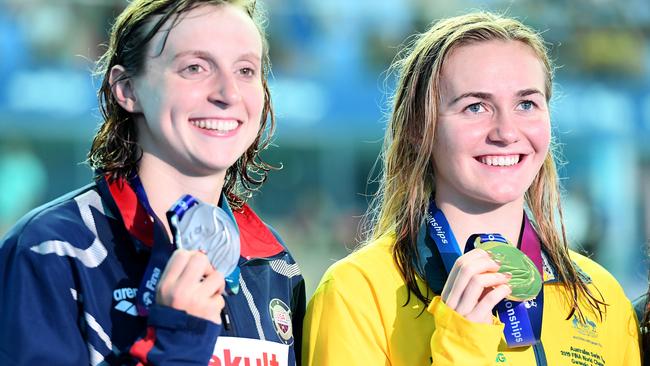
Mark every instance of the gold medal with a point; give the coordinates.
(526, 282)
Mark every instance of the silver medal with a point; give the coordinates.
(208, 228)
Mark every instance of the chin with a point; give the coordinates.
(504, 199)
(501, 196)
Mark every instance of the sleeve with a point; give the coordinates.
(176, 338)
(458, 341)
(345, 326)
(342, 327)
(42, 321)
(39, 315)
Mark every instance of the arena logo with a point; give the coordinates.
(124, 298)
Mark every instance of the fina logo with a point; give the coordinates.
(438, 229)
(153, 281)
(147, 296)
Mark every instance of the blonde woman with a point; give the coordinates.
(468, 151)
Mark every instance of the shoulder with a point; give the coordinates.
(56, 227)
(369, 266)
(598, 275)
(258, 239)
(59, 219)
(603, 283)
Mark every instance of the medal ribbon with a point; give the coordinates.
(523, 320)
(161, 250)
(147, 231)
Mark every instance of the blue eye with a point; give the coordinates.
(475, 108)
(526, 105)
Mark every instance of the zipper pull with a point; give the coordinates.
(225, 318)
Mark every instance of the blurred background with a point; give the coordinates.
(330, 92)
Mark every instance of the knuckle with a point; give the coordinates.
(221, 280)
(217, 279)
(201, 260)
(462, 261)
(481, 252)
(180, 253)
(463, 267)
(476, 281)
(163, 287)
(178, 303)
(496, 295)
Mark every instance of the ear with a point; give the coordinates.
(123, 89)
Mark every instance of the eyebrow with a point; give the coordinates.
(488, 96)
(203, 54)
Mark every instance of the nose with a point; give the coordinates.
(504, 129)
(225, 92)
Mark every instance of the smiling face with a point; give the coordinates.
(200, 100)
(493, 126)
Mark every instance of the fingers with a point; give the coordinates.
(474, 286)
(482, 313)
(175, 265)
(476, 290)
(197, 267)
(470, 264)
(213, 284)
(190, 283)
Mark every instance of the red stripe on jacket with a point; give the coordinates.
(140, 349)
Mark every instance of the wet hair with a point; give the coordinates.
(115, 150)
(407, 174)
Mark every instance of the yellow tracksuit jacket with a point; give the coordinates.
(357, 317)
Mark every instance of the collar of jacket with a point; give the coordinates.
(430, 267)
(256, 239)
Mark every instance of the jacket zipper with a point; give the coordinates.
(540, 354)
(227, 317)
(227, 313)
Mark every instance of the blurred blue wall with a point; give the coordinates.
(330, 93)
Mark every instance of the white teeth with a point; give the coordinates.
(500, 160)
(216, 125)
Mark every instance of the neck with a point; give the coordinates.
(164, 185)
(503, 219)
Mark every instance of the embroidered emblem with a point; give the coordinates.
(586, 327)
(281, 317)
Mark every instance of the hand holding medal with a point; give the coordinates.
(525, 280)
(207, 248)
(207, 228)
